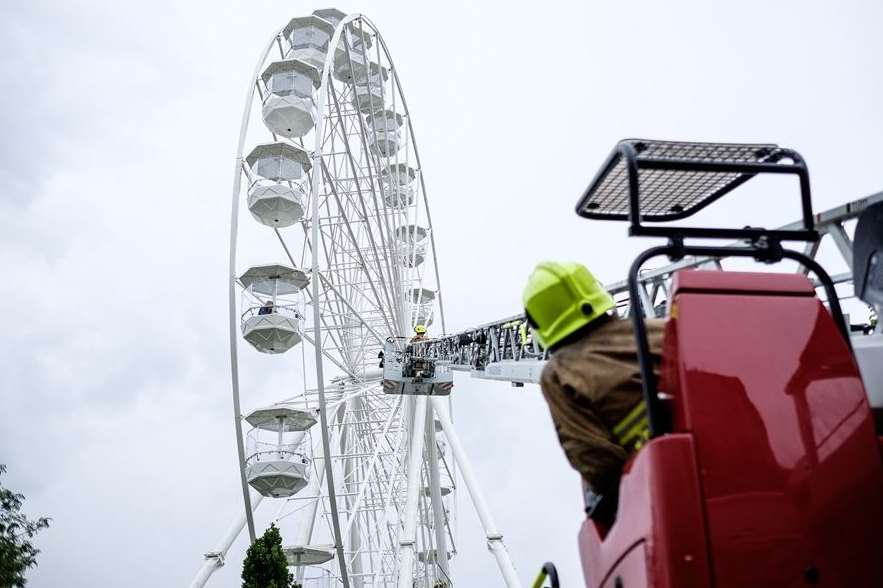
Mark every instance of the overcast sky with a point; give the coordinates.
(119, 125)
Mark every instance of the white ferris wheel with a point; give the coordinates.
(363, 483)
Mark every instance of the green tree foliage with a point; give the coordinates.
(17, 554)
(265, 565)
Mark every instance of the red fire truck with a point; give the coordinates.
(764, 466)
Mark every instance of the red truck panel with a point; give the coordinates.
(772, 476)
(631, 570)
(785, 442)
(660, 507)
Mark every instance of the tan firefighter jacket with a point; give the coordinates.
(593, 388)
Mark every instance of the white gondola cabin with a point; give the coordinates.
(443, 490)
(272, 307)
(409, 374)
(370, 93)
(420, 296)
(276, 196)
(308, 555)
(422, 306)
(398, 185)
(351, 56)
(410, 241)
(430, 556)
(274, 466)
(383, 130)
(422, 315)
(332, 15)
(289, 108)
(308, 38)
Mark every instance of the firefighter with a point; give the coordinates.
(419, 333)
(592, 382)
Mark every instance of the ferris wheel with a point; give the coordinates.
(363, 482)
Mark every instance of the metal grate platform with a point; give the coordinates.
(675, 179)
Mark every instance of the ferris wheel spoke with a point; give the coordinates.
(332, 314)
(370, 228)
(330, 357)
(371, 468)
(360, 260)
(334, 302)
(309, 297)
(366, 153)
(364, 264)
(349, 306)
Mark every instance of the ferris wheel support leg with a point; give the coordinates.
(438, 507)
(494, 537)
(215, 558)
(312, 493)
(415, 461)
(353, 536)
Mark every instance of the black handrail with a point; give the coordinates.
(747, 169)
(549, 570)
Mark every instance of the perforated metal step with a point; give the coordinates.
(674, 179)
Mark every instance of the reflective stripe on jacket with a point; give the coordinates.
(634, 429)
(593, 389)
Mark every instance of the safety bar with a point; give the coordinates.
(548, 570)
(284, 309)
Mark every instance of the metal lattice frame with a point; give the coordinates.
(383, 485)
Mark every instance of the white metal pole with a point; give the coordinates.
(438, 507)
(312, 493)
(353, 537)
(350, 307)
(494, 537)
(305, 518)
(415, 460)
(215, 559)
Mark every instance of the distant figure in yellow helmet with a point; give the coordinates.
(592, 382)
(419, 333)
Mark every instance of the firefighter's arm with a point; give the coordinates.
(586, 441)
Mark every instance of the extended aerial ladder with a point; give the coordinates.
(504, 349)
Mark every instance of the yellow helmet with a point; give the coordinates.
(562, 297)
(420, 329)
